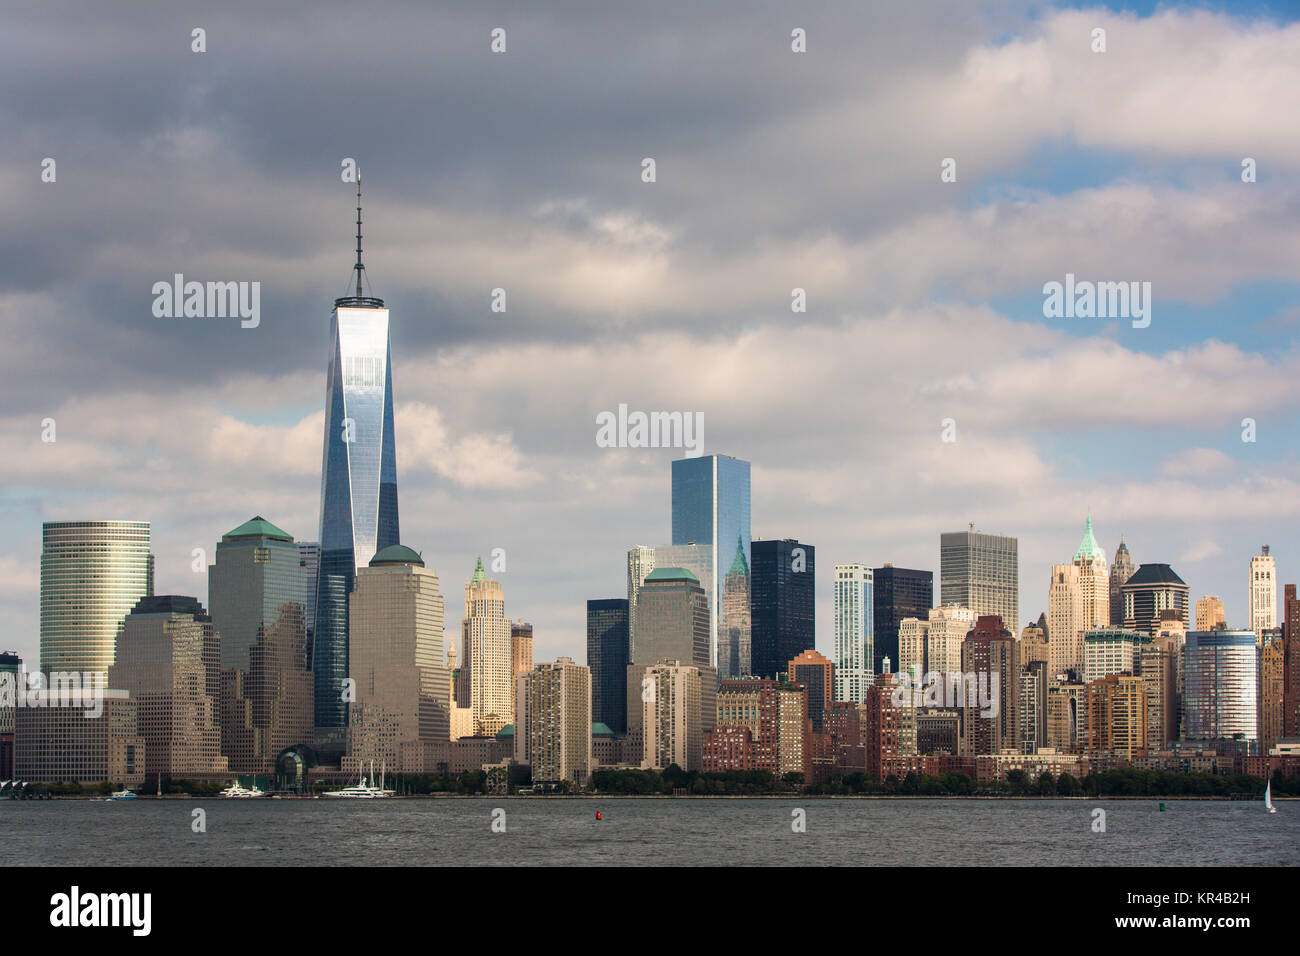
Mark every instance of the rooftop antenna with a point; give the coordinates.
(359, 267)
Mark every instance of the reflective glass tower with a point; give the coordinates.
(358, 501)
(710, 499)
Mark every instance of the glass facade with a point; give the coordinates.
(608, 642)
(981, 572)
(1221, 674)
(710, 507)
(782, 604)
(358, 486)
(92, 575)
(897, 593)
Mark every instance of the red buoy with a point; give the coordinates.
(598, 816)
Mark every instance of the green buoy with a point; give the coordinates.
(1162, 808)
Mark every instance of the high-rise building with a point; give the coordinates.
(400, 719)
(817, 674)
(933, 645)
(640, 562)
(358, 500)
(710, 505)
(258, 593)
(309, 565)
(1221, 676)
(854, 611)
(521, 649)
(608, 641)
(168, 660)
(1153, 588)
(672, 624)
(897, 593)
(980, 571)
(70, 744)
(1116, 713)
(1157, 665)
(695, 558)
(1290, 663)
(1078, 601)
(559, 725)
(1111, 650)
(485, 638)
(1121, 570)
(1210, 613)
(1031, 706)
(989, 653)
(671, 717)
(1033, 645)
(782, 602)
(1272, 692)
(92, 574)
(1263, 593)
(734, 643)
(11, 674)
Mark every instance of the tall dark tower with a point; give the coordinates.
(358, 510)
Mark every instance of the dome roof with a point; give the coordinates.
(397, 554)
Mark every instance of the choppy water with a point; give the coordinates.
(648, 831)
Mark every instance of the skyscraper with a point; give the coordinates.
(1078, 601)
(1152, 589)
(782, 603)
(981, 572)
(989, 652)
(608, 641)
(1222, 686)
(401, 717)
(854, 610)
(897, 593)
(92, 575)
(734, 645)
(1263, 593)
(1120, 571)
(559, 722)
(671, 716)
(1209, 613)
(710, 505)
(485, 636)
(258, 592)
(817, 674)
(640, 562)
(521, 648)
(168, 661)
(358, 515)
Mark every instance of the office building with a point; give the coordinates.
(671, 717)
(1210, 613)
(1263, 593)
(640, 562)
(710, 507)
(258, 592)
(1078, 601)
(168, 661)
(980, 571)
(989, 722)
(485, 638)
(401, 717)
(672, 624)
(1221, 699)
(358, 509)
(854, 610)
(817, 674)
(68, 744)
(1121, 569)
(782, 603)
(1153, 588)
(521, 649)
(1116, 722)
(1111, 651)
(608, 643)
(92, 574)
(897, 593)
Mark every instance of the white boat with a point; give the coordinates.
(122, 795)
(362, 790)
(236, 792)
(1268, 796)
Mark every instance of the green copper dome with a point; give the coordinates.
(671, 574)
(397, 554)
(1088, 548)
(739, 565)
(479, 577)
(257, 527)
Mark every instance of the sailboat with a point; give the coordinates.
(1268, 795)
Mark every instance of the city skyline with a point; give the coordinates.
(680, 295)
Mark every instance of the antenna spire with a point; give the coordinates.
(359, 267)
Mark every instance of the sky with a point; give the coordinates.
(774, 170)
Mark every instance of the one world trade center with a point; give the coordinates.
(358, 500)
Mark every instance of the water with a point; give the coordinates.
(648, 831)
